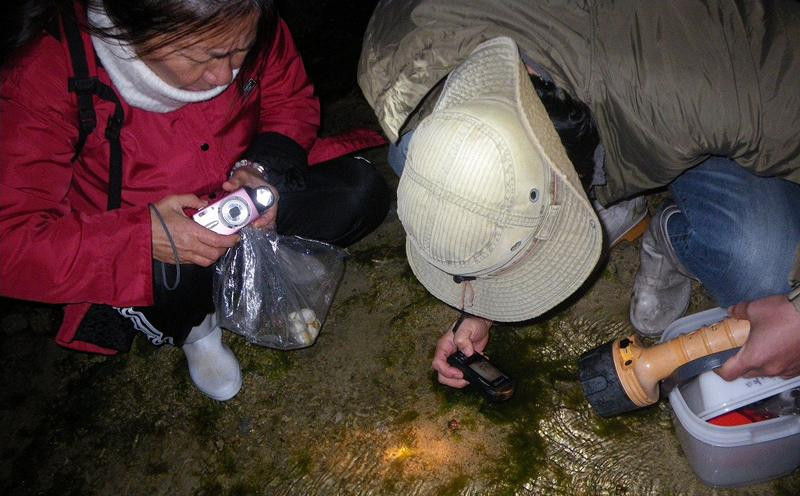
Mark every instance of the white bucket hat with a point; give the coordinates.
(497, 221)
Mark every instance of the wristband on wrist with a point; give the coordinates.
(247, 163)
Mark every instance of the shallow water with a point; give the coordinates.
(358, 413)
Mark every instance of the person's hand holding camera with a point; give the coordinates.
(472, 336)
(195, 244)
(247, 176)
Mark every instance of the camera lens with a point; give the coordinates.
(234, 212)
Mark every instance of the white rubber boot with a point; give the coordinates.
(213, 367)
(662, 288)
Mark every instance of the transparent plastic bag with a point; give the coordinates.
(276, 290)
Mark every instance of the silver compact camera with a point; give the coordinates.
(236, 210)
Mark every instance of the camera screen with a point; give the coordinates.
(485, 370)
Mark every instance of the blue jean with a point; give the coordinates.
(736, 232)
(398, 153)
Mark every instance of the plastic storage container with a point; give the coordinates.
(731, 456)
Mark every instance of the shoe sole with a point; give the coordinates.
(225, 394)
(634, 232)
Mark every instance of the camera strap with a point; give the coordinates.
(86, 87)
(174, 253)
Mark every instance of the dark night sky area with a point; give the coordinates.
(328, 34)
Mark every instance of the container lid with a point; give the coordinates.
(714, 396)
(709, 395)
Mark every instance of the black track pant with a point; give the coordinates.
(343, 201)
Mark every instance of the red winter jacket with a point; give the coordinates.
(58, 244)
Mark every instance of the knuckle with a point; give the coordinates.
(789, 374)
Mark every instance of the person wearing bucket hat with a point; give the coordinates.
(496, 219)
(498, 224)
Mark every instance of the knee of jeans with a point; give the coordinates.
(736, 260)
(754, 268)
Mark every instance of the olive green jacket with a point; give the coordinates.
(670, 83)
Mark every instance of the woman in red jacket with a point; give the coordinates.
(114, 120)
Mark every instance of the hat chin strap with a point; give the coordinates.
(467, 295)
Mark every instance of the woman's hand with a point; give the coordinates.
(773, 346)
(195, 244)
(472, 336)
(246, 176)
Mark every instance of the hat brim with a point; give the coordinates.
(552, 270)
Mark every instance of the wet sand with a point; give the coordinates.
(358, 413)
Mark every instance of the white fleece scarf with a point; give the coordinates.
(138, 85)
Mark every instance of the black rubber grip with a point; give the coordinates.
(601, 384)
(690, 370)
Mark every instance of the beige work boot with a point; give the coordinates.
(626, 220)
(662, 286)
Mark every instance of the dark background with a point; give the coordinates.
(328, 34)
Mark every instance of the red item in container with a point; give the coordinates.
(741, 416)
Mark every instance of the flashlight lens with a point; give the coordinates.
(264, 197)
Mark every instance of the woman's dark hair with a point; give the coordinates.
(140, 22)
(24, 21)
(575, 126)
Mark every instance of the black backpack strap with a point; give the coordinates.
(102, 325)
(112, 133)
(85, 87)
(81, 84)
